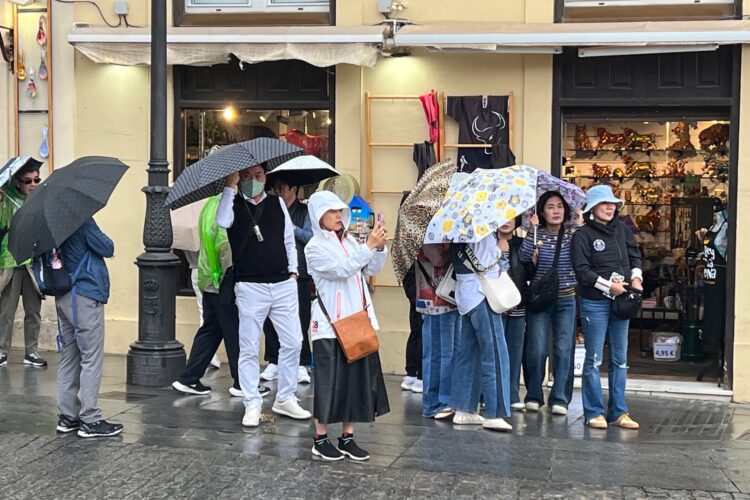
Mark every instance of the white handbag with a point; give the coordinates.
(446, 289)
(501, 293)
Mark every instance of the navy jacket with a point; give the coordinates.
(89, 242)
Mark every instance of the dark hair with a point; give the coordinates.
(31, 166)
(543, 201)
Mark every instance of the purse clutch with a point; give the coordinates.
(446, 289)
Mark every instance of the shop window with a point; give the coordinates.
(670, 174)
(253, 12)
(645, 10)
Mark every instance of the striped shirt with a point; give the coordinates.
(547, 242)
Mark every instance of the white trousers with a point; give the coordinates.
(279, 303)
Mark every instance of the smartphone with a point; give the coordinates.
(380, 219)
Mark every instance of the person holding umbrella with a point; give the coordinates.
(605, 256)
(289, 192)
(20, 176)
(549, 247)
(56, 227)
(264, 257)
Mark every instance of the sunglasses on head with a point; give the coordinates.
(35, 180)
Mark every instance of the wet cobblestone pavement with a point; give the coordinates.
(175, 446)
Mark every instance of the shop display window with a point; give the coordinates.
(669, 173)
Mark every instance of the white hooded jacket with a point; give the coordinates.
(336, 267)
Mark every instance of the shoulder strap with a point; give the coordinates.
(467, 255)
(558, 246)
(323, 307)
(426, 275)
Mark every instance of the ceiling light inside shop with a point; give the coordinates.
(229, 113)
(327, 121)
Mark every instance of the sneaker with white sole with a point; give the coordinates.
(100, 428)
(417, 386)
(303, 377)
(215, 362)
(497, 424)
(34, 359)
(532, 406)
(559, 410)
(324, 449)
(251, 417)
(408, 382)
(236, 392)
(517, 406)
(67, 424)
(348, 447)
(291, 408)
(467, 418)
(196, 388)
(444, 414)
(271, 373)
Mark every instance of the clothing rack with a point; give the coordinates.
(443, 145)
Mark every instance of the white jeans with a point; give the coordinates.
(279, 303)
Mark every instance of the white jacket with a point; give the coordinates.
(335, 266)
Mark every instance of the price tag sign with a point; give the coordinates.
(580, 357)
(665, 351)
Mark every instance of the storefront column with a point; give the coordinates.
(156, 358)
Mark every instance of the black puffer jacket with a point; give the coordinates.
(598, 250)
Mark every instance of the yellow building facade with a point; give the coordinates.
(104, 110)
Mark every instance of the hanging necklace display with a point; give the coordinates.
(41, 36)
(43, 66)
(31, 87)
(21, 73)
(44, 146)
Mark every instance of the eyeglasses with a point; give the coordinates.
(35, 180)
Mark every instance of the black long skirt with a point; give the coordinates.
(347, 392)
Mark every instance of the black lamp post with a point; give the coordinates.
(156, 359)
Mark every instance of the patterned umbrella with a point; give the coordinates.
(574, 195)
(62, 203)
(205, 178)
(477, 204)
(415, 213)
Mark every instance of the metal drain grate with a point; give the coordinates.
(128, 397)
(699, 421)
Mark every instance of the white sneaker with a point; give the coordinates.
(467, 418)
(497, 424)
(532, 406)
(302, 376)
(290, 408)
(417, 386)
(408, 382)
(517, 406)
(215, 362)
(237, 393)
(270, 373)
(559, 410)
(252, 417)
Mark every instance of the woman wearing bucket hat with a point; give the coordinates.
(607, 260)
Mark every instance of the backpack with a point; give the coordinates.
(51, 275)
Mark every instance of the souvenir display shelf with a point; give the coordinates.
(33, 76)
(667, 173)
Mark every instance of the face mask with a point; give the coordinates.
(252, 188)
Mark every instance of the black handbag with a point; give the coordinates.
(542, 293)
(627, 305)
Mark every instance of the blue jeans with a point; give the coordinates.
(440, 334)
(561, 318)
(515, 331)
(599, 324)
(481, 364)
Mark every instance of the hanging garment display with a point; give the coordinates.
(502, 156)
(714, 281)
(481, 120)
(316, 145)
(424, 157)
(431, 113)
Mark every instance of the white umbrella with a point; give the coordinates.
(185, 226)
(303, 170)
(14, 165)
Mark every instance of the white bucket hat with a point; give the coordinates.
(601, 194)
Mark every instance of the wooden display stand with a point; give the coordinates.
(33, 113)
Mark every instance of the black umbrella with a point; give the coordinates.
(205, 178)
(62, 203)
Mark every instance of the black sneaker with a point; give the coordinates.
(196, 388)
(67, 424)
(263, 390)
(348, 447)
(100, 428)
(34, 359)
(323, 448)
(3, 359)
